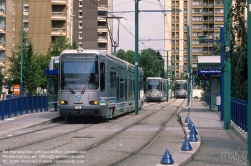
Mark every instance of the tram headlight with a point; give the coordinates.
(147, 95)
(95, 102)
(158, 95)
(63, 102)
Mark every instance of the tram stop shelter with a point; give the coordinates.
(209, 69)
(52, 83)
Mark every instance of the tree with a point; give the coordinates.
(238, 51)
(30, 69)
(152, 63)
(59, 44)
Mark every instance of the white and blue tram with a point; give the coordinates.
(180, 88)
(94, 83)
(156, 89)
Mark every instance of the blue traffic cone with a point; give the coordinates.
(192, 138)
(186, 146)
(167, 158)
(189, 123)
(193, 131)
(191, 126)
(187, 120)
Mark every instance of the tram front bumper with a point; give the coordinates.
(97, 110)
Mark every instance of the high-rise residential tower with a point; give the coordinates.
(204, 17)
(81, 21)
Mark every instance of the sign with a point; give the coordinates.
(16, 89)
(209, 71)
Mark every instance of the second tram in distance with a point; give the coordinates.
(156, 89)
(180, 88)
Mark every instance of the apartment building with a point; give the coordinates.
(204, 17)
(44, 20)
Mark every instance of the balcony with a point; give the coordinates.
(2, 29)
(102, 19)
(2, 46)
(2, 62)
(59, 2)
(58, 16)
(2, 12)
(102, 39)
(102, 8)
(58, 32)
(102, 29)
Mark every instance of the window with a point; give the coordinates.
(80, 25)
(26, 25)
(80, 13)
(80, 3)
(80, 35)
(113, 79)
(26, 9)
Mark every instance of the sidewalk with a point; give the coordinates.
(27, 120)
(218, 146)
(215, 146)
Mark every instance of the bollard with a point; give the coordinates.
(187, 120)
(186, 146)
(167, 158)
(191, 126)
(193, 131)
(193, 138)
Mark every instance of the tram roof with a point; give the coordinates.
(99, 52)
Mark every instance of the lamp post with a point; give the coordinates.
(136, 92)
(167, 87)
(188, 68)
(249, 82)
(21, 50)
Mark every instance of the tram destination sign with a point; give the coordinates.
(209, 71)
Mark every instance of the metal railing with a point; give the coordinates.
(23, 105)
(239, 113)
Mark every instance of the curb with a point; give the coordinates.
(182, 158)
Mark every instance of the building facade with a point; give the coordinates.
(44, 20)
(204, 17)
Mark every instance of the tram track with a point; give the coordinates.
(136, 152)
(11, 136)
(55, 138)
(98, 143)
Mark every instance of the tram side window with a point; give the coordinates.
(102, 76)
(122, 88)
(113, 79)
(126, 96)
(118, 88)
(130, 89)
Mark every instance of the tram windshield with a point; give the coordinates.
(181, 85)
(153, 84)
(79, 72)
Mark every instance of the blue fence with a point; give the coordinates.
(239, 114)
(22, 105)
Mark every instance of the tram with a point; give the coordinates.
(95, 83)
(180, 88)
(156, 89)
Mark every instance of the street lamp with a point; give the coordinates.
(21, 51)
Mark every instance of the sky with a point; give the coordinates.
(151, 24)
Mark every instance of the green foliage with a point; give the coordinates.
(1, 78)
(31, 70)
(152, 63)
(238, 52)
(59, 44)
